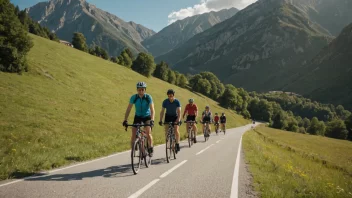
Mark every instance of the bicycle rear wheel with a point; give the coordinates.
(136, 156)
(205, 135)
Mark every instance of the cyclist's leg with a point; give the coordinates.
(134, 129)
(148, 130)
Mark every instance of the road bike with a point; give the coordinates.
(206, 131)
(170, 141)
(216, 128)
(139, 151)
(190, 132)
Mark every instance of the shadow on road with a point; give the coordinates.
(114, 171)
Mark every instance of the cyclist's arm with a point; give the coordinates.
(196, 114)
(184, 113)
(128, 110)
(178, 113)
(152, 111)
(162, 114)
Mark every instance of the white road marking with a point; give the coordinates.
(142, 190)
(204, 149)
(172, 169)
(218, 141)
(234, 188)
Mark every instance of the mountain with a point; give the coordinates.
(180, 31)
(255, 47)
(64, 17)
(327, 78)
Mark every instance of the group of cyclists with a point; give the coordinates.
(171, 108)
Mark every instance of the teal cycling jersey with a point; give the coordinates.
(142, 104)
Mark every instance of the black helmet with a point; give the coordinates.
(223, 114)
(141, 85)
(170, 91)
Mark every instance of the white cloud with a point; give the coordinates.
(207, 6)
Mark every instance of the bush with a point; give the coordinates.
(14, 40)
(144, 64)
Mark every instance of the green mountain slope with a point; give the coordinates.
(328, 77)
(180, 31)
(70, 107)
(253, 48)
(99, 27)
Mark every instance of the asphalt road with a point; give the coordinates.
(204, 170)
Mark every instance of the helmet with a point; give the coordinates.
(216, 113)
(170, 91)
(191, 100)
(141, 85)
(207, 107)
(223, 114)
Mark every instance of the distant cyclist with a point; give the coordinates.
(144, 107)
(192, 112)
(173, 114)
(216, 120)
(206, 117)
(223, 122)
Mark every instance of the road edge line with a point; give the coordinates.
(234, 187)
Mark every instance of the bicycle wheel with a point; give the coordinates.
(168, 149)
(192, 137)
(205, 135)
(136, 157)
(173, 148)
(147, 158)
(189, 138)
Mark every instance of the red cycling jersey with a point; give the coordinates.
(216, 118)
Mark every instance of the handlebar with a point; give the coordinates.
(136, 125)
(191, 122)
(173, 123)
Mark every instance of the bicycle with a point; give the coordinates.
(190, 132)
(224, 128)
(140, 148)
(170, 141)
(217, 128)
(206, 131)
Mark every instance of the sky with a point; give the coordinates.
(155, 14)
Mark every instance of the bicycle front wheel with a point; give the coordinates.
(147, 158)
(189, 138)
(136, 156)
(168, 147)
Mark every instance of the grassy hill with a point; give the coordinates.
(70, 107)
(286, 164)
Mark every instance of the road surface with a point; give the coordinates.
(207, 169)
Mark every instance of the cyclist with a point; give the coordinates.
(216, 120)
(223, 121)
(173, 114)
(206, 117)
(192, 112)
(144, 112)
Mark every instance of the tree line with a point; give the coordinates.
(283, 111)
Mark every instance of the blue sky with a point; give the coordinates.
(154, 14)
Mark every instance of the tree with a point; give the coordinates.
(130, 54)
(204, 86)
(336, 129)
(171, 77)
(127, 61)
(316, 127)
(144, 64)
(79, 42)
(113, 59)
(183, 81)
(279, 120)
(306, 123)
(14, 40)
(177, 74)
(348, 123)
(162, 71)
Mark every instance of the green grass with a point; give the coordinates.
(70, 107)
(286, 164)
